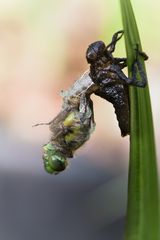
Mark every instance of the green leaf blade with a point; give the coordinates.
(143, 200)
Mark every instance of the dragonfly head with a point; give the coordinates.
(54, 161)
(94, 51)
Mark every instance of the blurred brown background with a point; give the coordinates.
(42, 51)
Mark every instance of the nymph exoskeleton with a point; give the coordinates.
(106, 72)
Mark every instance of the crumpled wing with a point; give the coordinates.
(56, 125)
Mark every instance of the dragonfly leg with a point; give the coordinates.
(111, 47)
(122, 62)
(40, 124)
(137, 67)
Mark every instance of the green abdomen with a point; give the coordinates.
(78, 130)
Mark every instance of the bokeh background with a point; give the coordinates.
(42, 51)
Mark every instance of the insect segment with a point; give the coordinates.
(106, 72)
(72, 126)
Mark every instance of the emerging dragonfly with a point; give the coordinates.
(72, 126)
(75, 122)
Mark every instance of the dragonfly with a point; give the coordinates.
(72, 127)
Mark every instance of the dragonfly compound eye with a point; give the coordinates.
(94, 51)
(54, 161)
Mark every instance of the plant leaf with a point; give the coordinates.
(143, 203)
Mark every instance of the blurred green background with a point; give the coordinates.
(42, 51)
